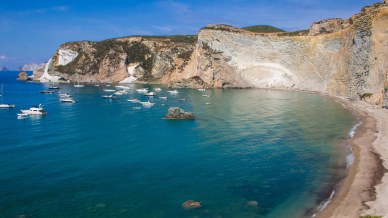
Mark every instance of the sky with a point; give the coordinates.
(32, 30)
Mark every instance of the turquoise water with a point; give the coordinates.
(102, 158)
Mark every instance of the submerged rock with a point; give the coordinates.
(190, 204)
(177, 113)
(252, 203)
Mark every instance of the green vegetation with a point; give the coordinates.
(138, 52)
(370, 216)
(263, 29)
(295, 33)
(222, 27)
(366, 95)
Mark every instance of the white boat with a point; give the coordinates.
(173, 92)
(201, 90)
(150, 94)
(67, 100)
(207, 103)
(144, 90)
(157, 89)
(64, 95)
(122, 87)
(121, 92)
(35, 110)
(136, 108)
(22, 116)
(53, 87)
(207, 96)
(109, 90)
(97, 85)
(134, 100)
(147, 103)
(163, 97)
(3, 105)
(109, 97)
(78, 85)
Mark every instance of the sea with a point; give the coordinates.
(249, 153)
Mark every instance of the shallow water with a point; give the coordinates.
(102, 158)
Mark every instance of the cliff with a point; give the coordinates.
(346, 57)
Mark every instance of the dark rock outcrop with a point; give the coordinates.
(177, 113)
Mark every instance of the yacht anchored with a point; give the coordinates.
(78, 85)
(35, 110)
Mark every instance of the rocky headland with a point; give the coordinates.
(345, 57)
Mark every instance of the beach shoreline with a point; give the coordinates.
(358, 194)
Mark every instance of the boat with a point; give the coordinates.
(3, 105)
(46, 92)
(207, 103)
(144, 90)
(53, 87)
(163, 97)
(147, 103)
(78, 85)
(182, 99)
(67, 100)
(134, 100)
(109, 97)
(157, 89)
(97, 85)
(122, 87)
(207, 96)
(136, 108)
(121, 92)
(173, 92)
(64, 95)
(35, 110)
(109, 90)
(150, 94)
(201, 90)
(22, 116)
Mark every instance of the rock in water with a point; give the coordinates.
(252, 203)
(190, 204)
(23, 76)
(177, 113)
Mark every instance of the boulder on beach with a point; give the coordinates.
(177, 113)
(190, 204)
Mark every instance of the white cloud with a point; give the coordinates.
(3, 57)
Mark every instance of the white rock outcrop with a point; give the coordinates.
(66, 56)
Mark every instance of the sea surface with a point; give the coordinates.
(283, 151)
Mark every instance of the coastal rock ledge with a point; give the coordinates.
(177, 113)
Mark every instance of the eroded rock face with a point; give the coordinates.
(177, 113)
(23, 76)
(342, 57)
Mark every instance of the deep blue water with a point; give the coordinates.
(102, 158)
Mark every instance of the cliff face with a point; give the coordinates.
(343, 57)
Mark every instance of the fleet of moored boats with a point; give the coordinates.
(66, 98)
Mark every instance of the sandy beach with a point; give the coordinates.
(365, 190)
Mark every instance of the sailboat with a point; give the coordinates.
(2, 105)
(78, 85)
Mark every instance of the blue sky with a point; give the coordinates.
(32, 30)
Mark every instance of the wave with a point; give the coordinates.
(324, 204)
(352, 131)
(349, 159)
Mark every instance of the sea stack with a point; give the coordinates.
(177, 113)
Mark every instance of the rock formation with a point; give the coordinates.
(177, 113)
(23, 76)
(190, 204)
(346, 57)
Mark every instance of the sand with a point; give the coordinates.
(365, 190)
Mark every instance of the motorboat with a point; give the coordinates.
(67, 100)
(97, 85)
(122, 87)
(150, 94)
(163, 97)
(109, 90)
(201, 90)
(35, 110)
(157, 89)
(121, 92)
(109, 97)
(46, 92)
(147, 103)
(64, 95)
(3, 105)
(207, 96)
(22, 116)
(134, 100)
(173, 92)
(143, 90)
(53, 87)
(136, 108)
